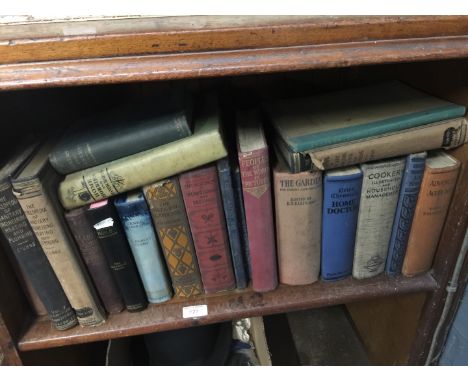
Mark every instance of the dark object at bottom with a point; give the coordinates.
(208, 345)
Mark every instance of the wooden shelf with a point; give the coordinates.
(225, 306)
(104, 52)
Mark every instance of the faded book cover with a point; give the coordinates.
(438, 184)
(35, 189)
(256, 187)
(379, 197)
(203, 204)
(298, 207)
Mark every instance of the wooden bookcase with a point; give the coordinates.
(428, 52)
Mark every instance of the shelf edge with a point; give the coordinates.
(226, 306)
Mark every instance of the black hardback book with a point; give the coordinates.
(111, 236)
(28, 252)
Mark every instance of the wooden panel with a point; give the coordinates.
(222, 63)
(8, 353)
(387, 327)
(107, 38)
(223, 307)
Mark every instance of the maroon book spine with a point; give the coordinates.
(205, 213)
(256, 189)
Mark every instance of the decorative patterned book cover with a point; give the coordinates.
(379, 197)
(128, 173)
(168, 211)
(438, 184)
(202, 198)
(341, 196)
(232, 221)
(35, 188)
(116, 134)
(256, 186)
(409, 191)
(136, 220)
(95, 260)
(27, 251)
(114, 245)
(298, 207)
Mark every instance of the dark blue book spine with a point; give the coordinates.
(341, 195)
(409, 191)
(237, 182)
(232, 221)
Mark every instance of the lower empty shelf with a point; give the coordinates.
(224, 306)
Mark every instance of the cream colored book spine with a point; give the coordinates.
(446, 134)
(103, 181)
(379, 197)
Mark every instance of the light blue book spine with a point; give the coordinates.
(138, 226)
(409, 191)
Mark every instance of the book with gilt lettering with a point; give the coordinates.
(256, 188)
(35, 187)
(26, 249)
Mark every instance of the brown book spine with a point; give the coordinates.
(94, 259)
(205, 213)
(48, 224)
(168, 211)
(298, 206)
(431, 208)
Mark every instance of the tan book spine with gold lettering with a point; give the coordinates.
(298, 206)
(36, 195)
(121, 175)
(431, 209)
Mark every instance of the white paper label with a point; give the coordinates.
(109, 222)
(194, 311)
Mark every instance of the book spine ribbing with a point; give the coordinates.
(232, 221)
(341, 196)
(78, 152)
(409, 190)
(256, 187)
(379, 196)
(50, 228)
(298, 206)
(202, 198)
(137, 170)
(115, 247)
(138, 227)
(94, 259)
(33, 261)
(168, 211)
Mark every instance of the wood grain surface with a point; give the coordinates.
(224, 307)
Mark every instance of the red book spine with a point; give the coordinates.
(205, 213)
(256, 189)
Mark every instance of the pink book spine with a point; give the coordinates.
(256, 189)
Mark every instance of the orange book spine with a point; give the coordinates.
(431, 209)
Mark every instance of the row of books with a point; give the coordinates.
(135, 185)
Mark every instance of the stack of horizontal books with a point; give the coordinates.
(140, 205)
